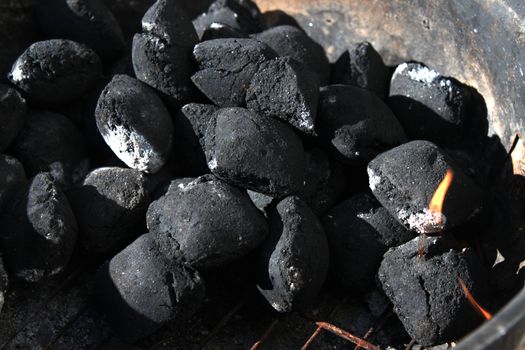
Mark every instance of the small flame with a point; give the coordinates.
(436, 203)
(473, 301)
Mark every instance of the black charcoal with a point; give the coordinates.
(3, 283)
(162, 53)
(208, 222)
(291, 41)
(135, 123)
(262, 201)
(51, 142)
(293, 261)
(53, 72)
(241, 15)
(141, 289)
(405, 179)
(12, 115)
(38, 230)
(355, 124)
(86, 21)
(12, 178)
(221, 31)
(276, 18)
(426, 291)
(359, 232)
(429, 106)
(190, 130)
(110, 208)
(286, 89)
(227, 67)
(254, 152)
(362, 66)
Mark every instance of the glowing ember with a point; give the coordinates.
(473, 301)
(436, 203)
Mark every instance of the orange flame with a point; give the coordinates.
(473, 301)
(436, 203)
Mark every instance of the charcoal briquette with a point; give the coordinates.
(227, 67)
(54, 72)
(86, 21)
(141, 289)
(264, 154)
(51, 142)
(291, 41)
(362, 66)
(359, 232)
(286, 89)
(4, 281)
(355, 124)
(110, 207)
(293, 261)
(12, 115)
(426, 292)
(260, 200)
(12, 178)
(135, 123)
(208, 222)
(221, 31)
(404, 179)
(428, 105)
(39, 230)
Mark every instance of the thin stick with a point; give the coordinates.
(266, 334)
(376, 327)
(347, 335)
(410, 345)
(224, 320)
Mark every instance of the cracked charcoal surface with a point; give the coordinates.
(221, 31)
(208, 222)
(265, 155)
(12, 177)
(241, 15)
(359, 232)
(55, 71)
(110, 207)
(12, 115)
(429, 106)
(227, 67)
(162, 53)
(362, 66)
(355, 124)
(190, 130)
(291, 41)
(86, 21)
(426, 292)
(405, 178)
(38, 230)
(51, 142)
(293, 261)
(141, 289)
(135, 123)
(285, 89)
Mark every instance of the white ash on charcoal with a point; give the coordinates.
(286, 89)
(404, 180)
(207, 222)
(428, 105)
(227, 67)
(162, 53)
(39, 230)
(135, 124)
(254, 152)
(241, 15)
(87, 21)
(4, 283)
(359, 232)
(355, 124)
(190, 131)
(426, 291)
(293, 42)
(293, 261)
(221, 31)
(140, 289)
(362, 66)
(110, 208)
(12, 178)
(12, 115)
(57, 71)
(51, 142)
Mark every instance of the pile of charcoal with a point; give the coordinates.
(224, 137)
